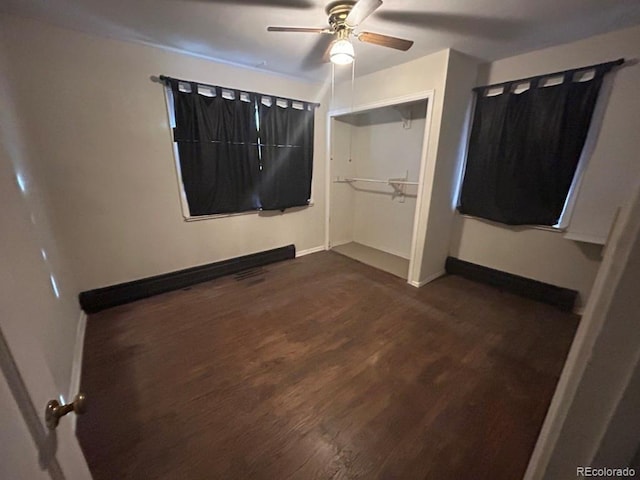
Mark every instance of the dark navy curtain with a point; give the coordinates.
(524, 149)
(286, 135)
(217, 143)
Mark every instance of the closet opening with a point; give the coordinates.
(376, 169)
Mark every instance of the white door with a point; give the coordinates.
(29, 449)
(34, 334)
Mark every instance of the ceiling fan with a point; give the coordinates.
(345, 16)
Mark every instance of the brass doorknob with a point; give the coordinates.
(55, 411)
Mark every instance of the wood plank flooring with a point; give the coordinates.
(320, 368)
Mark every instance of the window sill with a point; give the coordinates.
(200, 218)
(518, 227)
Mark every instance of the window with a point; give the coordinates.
(241, 151)
(525, 146)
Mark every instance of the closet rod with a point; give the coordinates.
(375, 180)
(402, 182)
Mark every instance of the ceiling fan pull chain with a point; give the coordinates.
(353, 80)
(333, 81)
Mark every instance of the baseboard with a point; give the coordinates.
(563, 298)
(76, 367)
(309, 251)
(429, 279)
(99, 299)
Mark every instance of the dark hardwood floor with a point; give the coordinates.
(320, 368)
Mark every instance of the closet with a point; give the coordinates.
(375, 166)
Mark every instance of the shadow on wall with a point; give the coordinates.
(277, 213)
(591, 251)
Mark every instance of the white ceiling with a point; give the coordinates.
(235, 31)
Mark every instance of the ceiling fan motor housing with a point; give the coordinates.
(344, 17)
(338, 12)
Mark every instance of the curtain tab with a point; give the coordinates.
(602, 70)
(174, 84)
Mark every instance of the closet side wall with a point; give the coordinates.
(341, 194)
(443, 173)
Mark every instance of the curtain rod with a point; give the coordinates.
(612, 64)
(164, 79)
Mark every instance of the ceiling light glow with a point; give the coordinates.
(342, 52)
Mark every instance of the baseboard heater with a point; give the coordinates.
(93, 301)
(563, 298)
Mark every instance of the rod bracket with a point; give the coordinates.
(405, 115)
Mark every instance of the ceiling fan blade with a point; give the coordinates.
(297, 4)
(361, 10)
(385, 41)
(299, 29)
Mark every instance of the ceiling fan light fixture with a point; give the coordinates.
(342, 52)
(345, 19)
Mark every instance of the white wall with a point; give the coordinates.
(426, 73)
(612, 171)
(538, 254)
(445, 173)
(100, 127)
(37, 323)
(30, 255)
